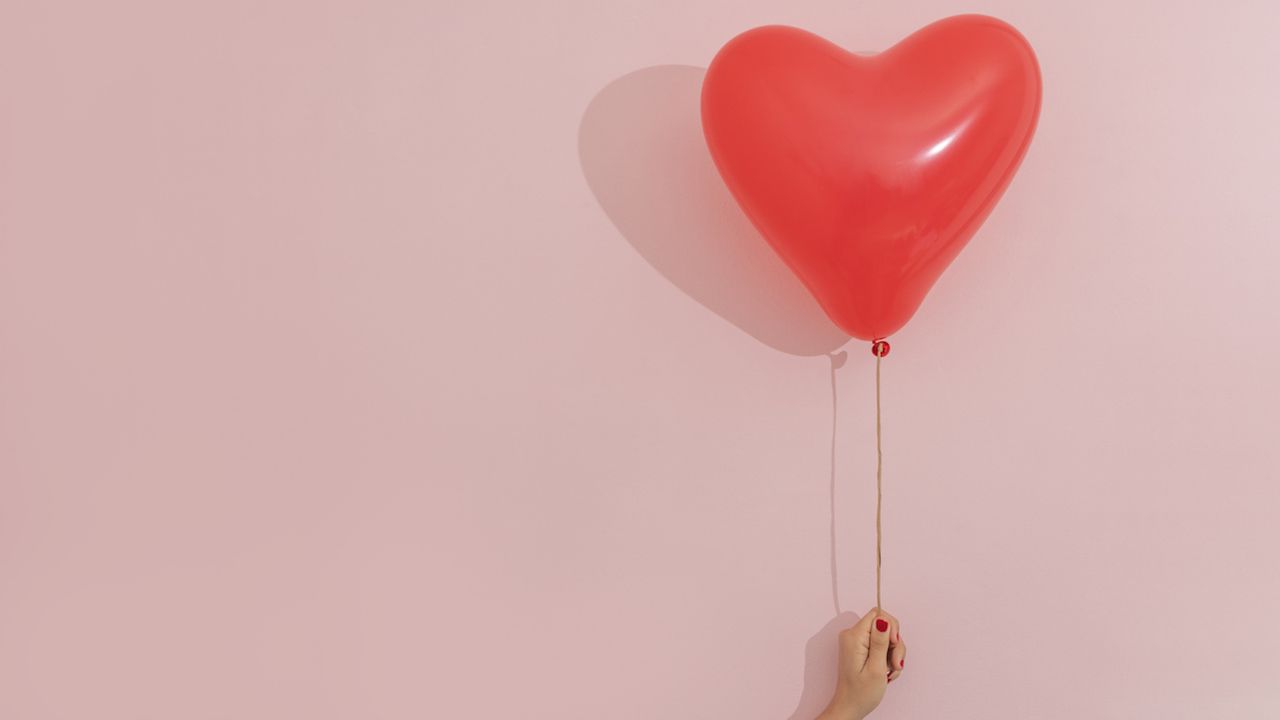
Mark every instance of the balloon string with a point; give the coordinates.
(879, 487)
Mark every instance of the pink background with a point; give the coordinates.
(407, 360)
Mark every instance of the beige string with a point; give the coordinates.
(879, 489)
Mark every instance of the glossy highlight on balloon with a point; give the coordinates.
(868, 174)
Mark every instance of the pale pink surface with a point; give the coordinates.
(348, 370)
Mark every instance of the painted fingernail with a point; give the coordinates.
(882, 624)
(902, 663)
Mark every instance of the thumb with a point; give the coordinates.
(878, 656)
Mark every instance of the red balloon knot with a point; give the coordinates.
(879, 348)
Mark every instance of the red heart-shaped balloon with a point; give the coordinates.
(869, 173)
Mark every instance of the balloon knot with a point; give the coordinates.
(879, 348)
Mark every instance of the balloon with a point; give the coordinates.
(869, 173)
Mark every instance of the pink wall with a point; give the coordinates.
(393, 359)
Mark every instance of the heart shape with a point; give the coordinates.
(869, 173)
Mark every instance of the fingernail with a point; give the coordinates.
(882, 624)
(902, 663)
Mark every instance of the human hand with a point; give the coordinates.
(872, 655)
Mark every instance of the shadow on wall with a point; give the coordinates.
(643, 154)
(820, 655)
(645, 159)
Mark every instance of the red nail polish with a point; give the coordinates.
(902, 663)
(882, 624)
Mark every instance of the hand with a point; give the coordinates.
(872, 655)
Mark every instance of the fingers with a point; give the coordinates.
(874, 646)
(855, 643)
(897, 648)
(882, 631)
(897, 659)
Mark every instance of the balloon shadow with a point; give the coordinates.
(643, 154)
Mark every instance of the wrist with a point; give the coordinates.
(840, 709)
